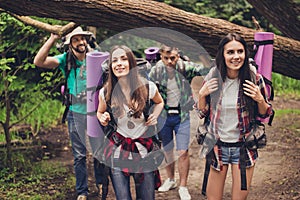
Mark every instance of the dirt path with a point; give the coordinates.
(277, 173)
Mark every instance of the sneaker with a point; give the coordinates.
(99, 190)
(168, 185)
(184, 193)
(102, 191)
(82, 197)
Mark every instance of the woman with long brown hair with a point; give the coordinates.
(127, 95)
(233, 95)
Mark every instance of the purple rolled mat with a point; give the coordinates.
(94, 62)
(151, 53)
(263, 43)
(264, 55)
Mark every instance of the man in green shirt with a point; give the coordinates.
(73, 66)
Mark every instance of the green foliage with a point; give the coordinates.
(280, 113)
(24, 88)
(236, 11)
(47, 114)
(286, 86)
(21, 43)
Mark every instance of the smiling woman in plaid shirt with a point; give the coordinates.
(236, 96)
(126, 94)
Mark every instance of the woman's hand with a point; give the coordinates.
(208, 87)
(152, 120)
(253, 91)
(104, 118)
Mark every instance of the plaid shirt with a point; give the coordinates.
(158, 74)
(128, 147)
(243, 124)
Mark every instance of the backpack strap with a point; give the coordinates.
(267, 82)
(208, 162)
(152, 130)
(112, 124)
(66, 96)
(260, 43)
(146, 112)
(181, 67)
(210, 155)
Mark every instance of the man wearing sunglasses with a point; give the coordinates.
(173, 76)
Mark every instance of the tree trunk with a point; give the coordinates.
(121, 15)
(6, 124)
(284, 15)
(8, 148)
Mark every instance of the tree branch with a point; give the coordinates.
(121, 15)
(284, 15)
(256, 24)
(57, 29)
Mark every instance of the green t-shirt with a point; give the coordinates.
(76, 84)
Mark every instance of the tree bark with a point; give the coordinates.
(121, 15)
(284, 15)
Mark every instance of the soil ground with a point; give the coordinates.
(277, 172)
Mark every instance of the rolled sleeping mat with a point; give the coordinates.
(94, 61)
(151, 54)
(263, 44)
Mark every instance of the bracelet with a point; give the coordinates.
(201, 113)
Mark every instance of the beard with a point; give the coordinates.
(78, 48)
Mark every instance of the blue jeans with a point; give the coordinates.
(121, 183)
(172, 124)
(77, 134)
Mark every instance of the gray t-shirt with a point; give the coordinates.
(228, 123)
(173, 93)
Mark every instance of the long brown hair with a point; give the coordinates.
(114, 94)
(244, 73)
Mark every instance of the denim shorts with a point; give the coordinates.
(230, 155)
(173, 125)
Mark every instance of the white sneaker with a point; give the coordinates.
(168, 185)
(82, 197)
(184, 193)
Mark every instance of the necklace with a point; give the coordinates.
(130, 124)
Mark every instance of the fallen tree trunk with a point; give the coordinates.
(284, 15)
(121, 15)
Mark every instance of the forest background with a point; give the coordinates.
(28, 92)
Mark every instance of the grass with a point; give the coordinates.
(286, 86)
(47, 114)
(282, 112)
(31, 180)
(39, 180)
